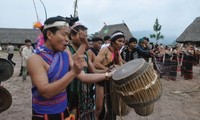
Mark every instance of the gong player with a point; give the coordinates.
(106, 59)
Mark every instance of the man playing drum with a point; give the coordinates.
(106, 59)
(52, 68)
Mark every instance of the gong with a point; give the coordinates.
(5, 99)
(6, 69)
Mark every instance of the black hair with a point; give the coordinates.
(89, 40)
(96, 39)
(52, 29)
(27, 40)
(166, 47)
(132, 39)
(113, 39)
(77, 29)
(146, 38)
(107, 37)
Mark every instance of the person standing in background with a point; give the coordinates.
(20, 53)
(26, 53)
(94, 50)
(10, 51)
(106, 41)
(130, 52)
(143, 50)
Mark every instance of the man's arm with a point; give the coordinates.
(143, 53)
(91, 55)
(92, 68)
(20, 50)
(38, 73)
(99, 59)
(89, 78)
(95, 77)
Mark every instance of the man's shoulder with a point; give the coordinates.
(24, 48)
(104, 50)
(35, 57)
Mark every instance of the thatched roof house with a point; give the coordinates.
(191, 33)
(110, 29)
(17, 36)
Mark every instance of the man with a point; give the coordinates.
(143, 50)
(20, 53)
(26, 53)
(94, 50)
(130, 52)
(10, 51)
(106, 59)
(81, 95)
(52, 68)
(146, 42)
(106, 41)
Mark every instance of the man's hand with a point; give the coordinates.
(79, 63)
(83, 38)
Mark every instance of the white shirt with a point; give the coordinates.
(105, 45)
(10, 49)
(26, 53)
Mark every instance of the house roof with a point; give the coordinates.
(191, 33)
(17, 36)
(110, 29)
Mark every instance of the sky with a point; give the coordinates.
(139, 15)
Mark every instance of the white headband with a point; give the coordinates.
(56, 24)
(116, 34)
(76, 24)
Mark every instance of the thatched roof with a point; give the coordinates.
(191, 33)
(17, 36)
(110, 29)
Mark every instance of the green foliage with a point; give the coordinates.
(157, 28)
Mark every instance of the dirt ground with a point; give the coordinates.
(185, 106)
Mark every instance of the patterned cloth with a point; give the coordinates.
(40, 40)
(57, 103)
(167, 64)
(188, 71)
(173, 67)
(81, 95)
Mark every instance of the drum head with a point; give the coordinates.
(131, 68)
(6, 69)
(5, 99)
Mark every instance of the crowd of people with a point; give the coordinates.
(172, 60)
(70, 76)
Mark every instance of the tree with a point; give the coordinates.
(157, 29)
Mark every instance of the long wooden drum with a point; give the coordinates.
(119, 107)
(138, 85)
